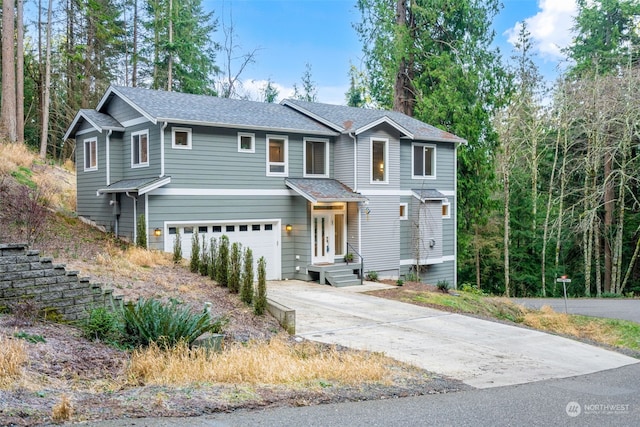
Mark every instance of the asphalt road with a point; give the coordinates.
(614, 308)
(606, 398)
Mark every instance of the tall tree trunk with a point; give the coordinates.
(476, 248)
(507, 283)
(403, 96)
(46, 95)
(20, 72)
(608, 219)
(134, 55)
(170, 65)
(545, 227)
(8, 110)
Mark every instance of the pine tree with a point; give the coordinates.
(260, 299)
(222, 267)
(194, 265)
(177, 248)
(235, 267)
(246, 291)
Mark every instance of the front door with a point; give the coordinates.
(323, 238)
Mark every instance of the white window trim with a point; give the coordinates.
(88, 152)
(448, 205)
(140, 165)
(286, 155)
(326, 158)
(173, 138)
(253, 142)
(406, 211)
(386, 160)
(419, 144)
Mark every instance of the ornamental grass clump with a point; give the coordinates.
(166, 324)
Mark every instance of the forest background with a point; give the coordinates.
(547, 184)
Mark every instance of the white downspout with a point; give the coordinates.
(146, 215)
(455, 217)
(108, 165)
(355, 188)
(162, 148)
(135, 217)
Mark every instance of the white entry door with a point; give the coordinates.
(322, 238)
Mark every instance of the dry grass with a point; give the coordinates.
(13, 358)
(132, 259)
(273, 362)
(63, 411)
(14, 155)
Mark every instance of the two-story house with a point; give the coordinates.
(301, 183)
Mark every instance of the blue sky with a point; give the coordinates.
(292, 33)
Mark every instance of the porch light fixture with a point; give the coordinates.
(157, 232)
(288, 227)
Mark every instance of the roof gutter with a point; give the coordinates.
(355, 161)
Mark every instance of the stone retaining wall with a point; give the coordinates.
(25, 276)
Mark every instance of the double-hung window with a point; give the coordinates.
(140, 149)
(424, 161)
(91, 154)
(379, 159)
(277, 164)
(316, 158)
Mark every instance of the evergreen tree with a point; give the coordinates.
(177, 248)
(246, 290)
(222, 266)
(260, 298)
(235, 267)
(194, 264)
(213, 258)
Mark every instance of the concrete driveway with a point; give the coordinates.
(481, 353)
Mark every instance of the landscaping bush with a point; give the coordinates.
(260, 300)
(194, 264)
(246, 290)
(372, 276)
(102, 325)
(166, 324)
(443, 286)
(141, 232)
(204, 258)
(213, 258)
(235, 267)
(177, 248)
(222, 267)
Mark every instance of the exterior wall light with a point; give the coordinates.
(288, 227)
(157, 232)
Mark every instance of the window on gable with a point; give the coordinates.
(379, 160)
(140, 149)
(424, 161)
(91, 154)
(246, 142)
(277, 164)
(181, 138)
(316, 157)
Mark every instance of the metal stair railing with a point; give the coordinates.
(350, 247)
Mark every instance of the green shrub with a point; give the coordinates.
(260, 299)
(177, 248)
(472, 289)
(165, 323)
(102, 325)
(235, 267)
(194, 264)
(443, 286)
(399, 282)
(203, 265)
(141, 232)
(213, 258)
(222, 268)
(372, 276)
(411, 277)
(610, 295)
(246, 290)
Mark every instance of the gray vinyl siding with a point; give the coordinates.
(214, 158)
(154, 167)
(116, 149)
(288, 209)
(352, 226)
(381, 235)
(449, 230)
(406, 229)
(427, 235)
(343, 160)
(88, 205)
(120, 110)
(445, 167)
(432, 274)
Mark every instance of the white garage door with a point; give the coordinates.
(263, 237)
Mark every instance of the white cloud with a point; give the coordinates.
(550, 28)
(252, 89)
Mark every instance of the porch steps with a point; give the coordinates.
(342, 277)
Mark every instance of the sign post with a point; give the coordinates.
(564, 280)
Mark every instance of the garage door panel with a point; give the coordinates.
(262, 237)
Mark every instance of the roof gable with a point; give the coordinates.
(96, 120)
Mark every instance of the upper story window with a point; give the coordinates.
(181, 138)
(246, 142)
(446, 209)
(140, 149)
(277, 163)
(424, 161)
(379, 160)
(316, 157)
(404, 211)
(91, 154)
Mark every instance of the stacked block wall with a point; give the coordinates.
(24, 275)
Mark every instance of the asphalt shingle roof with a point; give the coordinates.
(323, 190)
(138, 185)
(428, 194)
(105, 121)
(211, 110)
(350, 119)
